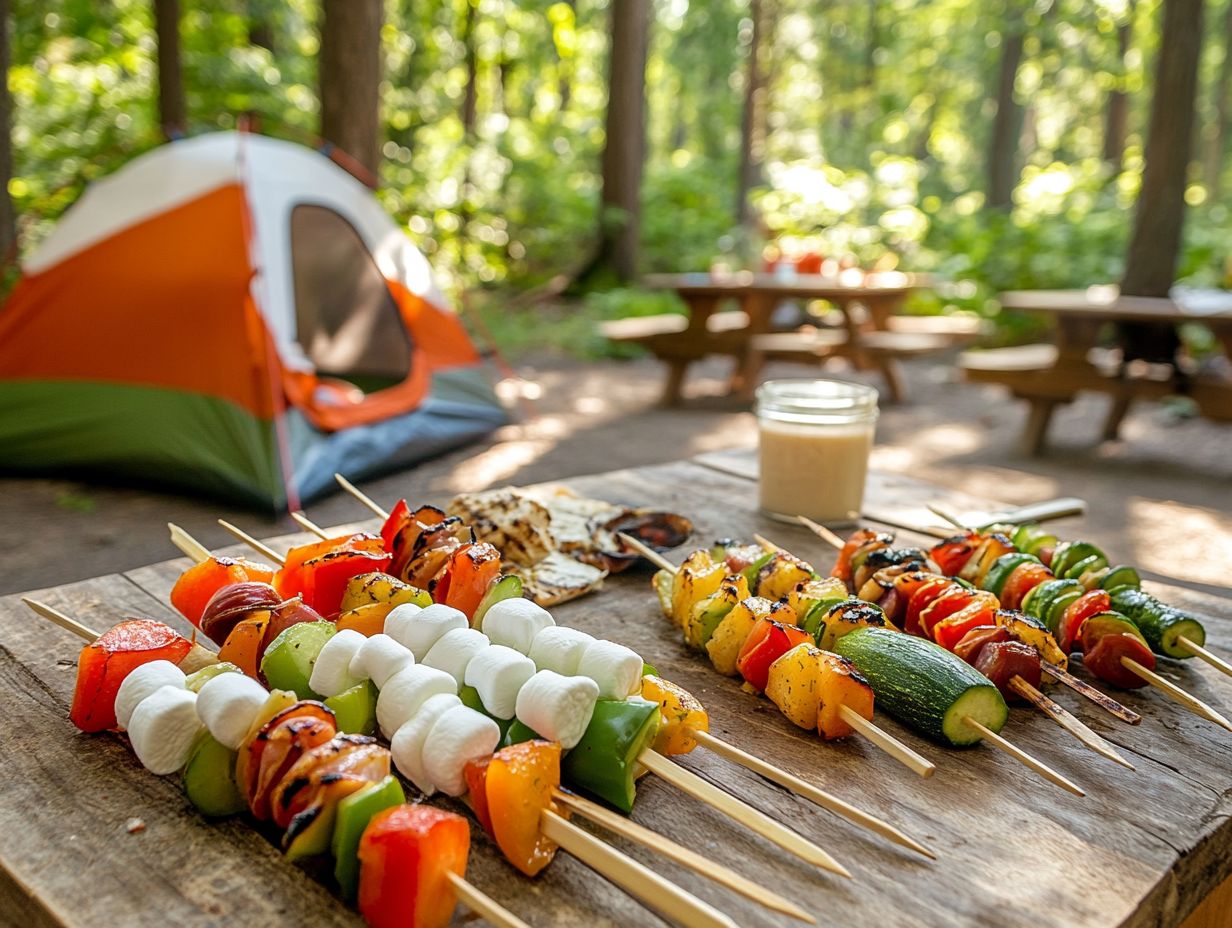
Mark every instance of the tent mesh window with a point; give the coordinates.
(347, 320)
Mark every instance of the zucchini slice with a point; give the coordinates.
(924, 686)
(1161, 625)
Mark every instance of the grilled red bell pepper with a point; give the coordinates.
(944, 603)
(1021, 581)
(842, 566)
(197, 585)
(469, 573)
(325, 577)
(397, 518)
(950, 555)
(920, 599)
(405, 857)
(1108, 637)
(476, 775)
(291, 578)
(103, 665)
(766, 643)
(981, 609)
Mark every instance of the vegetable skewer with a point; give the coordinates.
(887, 686)
(735, 809)
(1114, 646)
(471, 897)
(644, 884)
(1183, 642)
(729, 752)
(910, 759)
(1034, 697)
(1101, 699)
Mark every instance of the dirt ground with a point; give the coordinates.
(1160, 498)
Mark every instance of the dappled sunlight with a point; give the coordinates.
(497, 464)
(1189, 543)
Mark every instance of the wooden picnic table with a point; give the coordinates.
(1050, 375)
(1142, 849)
(869, 337)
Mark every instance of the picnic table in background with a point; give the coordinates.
(1047, 375)
(871, 335)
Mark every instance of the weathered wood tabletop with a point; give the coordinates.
(1143, 848)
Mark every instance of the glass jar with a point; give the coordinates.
(814, 439)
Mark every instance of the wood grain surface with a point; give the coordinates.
(1143, 848)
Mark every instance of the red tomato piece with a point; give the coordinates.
(1021, 581)
(1104, 660)
(920, 599)
(197, 585)
(103, 665)
(767, 642)
(471, 570)
(405, 856)
(1093, 602)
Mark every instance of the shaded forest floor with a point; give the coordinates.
(1160, 498)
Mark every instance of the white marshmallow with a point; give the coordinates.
(559, 648)
(617, 669)
(558, 708)
(407, 744)
(228, 704)
(379, 658)
(331, 672)
(459, 736)
(163, 727)
(406, 691)
(141, 682)
(419, 629)
(453, 651)
(498, 673)
(515, 623)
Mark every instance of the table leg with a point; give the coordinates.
(1117, 412)
(892, 374)
(759, 307)
(701, 308)
(673, 385)
(1035, 434)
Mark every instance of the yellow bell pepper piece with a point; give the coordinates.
(683, 714)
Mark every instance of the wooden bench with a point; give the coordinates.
(1039, 375)
(877, 349)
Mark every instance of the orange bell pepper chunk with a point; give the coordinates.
(519, 786)
(682, 712)
(368, 619)
(243, 646)
(471, 570)
(405, 856)
(103, 665)
(197, 585)
(840, 684)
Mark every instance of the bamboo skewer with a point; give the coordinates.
(816, 853)
(808, 791)
(482, 904)
(1062, 717)
(361, 496)
(304, 522)
(634, 878)
(1200, 652)
(912, 760)
(1023, 757)
(1189, 701)
(678, 904)
(186, 543)
(1101, 699)
(253, 543)
(631, 830)
(1015, 752)
(741, 812)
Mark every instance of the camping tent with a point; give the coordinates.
(236, 315)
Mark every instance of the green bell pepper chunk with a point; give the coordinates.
(470, 698)
(209, 778)
(604, 762)
(519, 732)
(354, 813)
(198, 678)
(355, 709)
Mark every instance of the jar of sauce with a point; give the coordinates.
(814, 439)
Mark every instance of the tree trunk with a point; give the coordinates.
(1218, 141)
(261, 25)
(172, 111)
(1007, 123)
(752, 135)
(564, 67)
(624, 148)
(470, 96)
(1116, 121)
(350, 78)
(1155, 246)
(8, 223)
